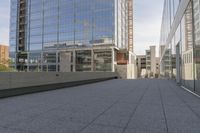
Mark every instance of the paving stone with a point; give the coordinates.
(148, 117)
(8, 130)
(102, 129)
(144, 130)
(114, 106)
(110, 120)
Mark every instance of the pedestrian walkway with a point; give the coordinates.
(115, 106)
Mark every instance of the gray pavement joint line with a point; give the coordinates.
(187, 105)
(107, 125)
(99, 116)
(163, 107)
(134, 111)
(17, 129)
(103, 112)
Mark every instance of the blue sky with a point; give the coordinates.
(4, 21)
(147, 23)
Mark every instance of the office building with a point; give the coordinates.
(180, 59)
(141, 65)
(151, 61)
(70, 35)
(148, 65)
(4, 54)
(157, 74)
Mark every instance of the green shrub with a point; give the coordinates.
(4, 68)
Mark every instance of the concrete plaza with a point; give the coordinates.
(114, 106)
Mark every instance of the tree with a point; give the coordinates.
(5, 68)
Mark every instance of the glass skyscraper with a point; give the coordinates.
(41, 30)
(180, 35)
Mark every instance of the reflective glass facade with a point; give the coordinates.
(13, 32)
(55, 25)
(71, 23)
(180, 36)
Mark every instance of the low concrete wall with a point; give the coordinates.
(127, 71)
(12, 84)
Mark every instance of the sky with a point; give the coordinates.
(148, 18)
(148, 14)
(4, 21)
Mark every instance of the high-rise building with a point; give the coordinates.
(4, 54)
(141, 65)
(88, 33)
(161, 50)
(180, 35)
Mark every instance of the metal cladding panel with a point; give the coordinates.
(178, 17)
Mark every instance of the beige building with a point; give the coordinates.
(148, 65)
(141, 65)
(158, 65)
(125, 64)
(151, 61)
(4, 54)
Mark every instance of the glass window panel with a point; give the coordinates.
(35, 46)
(49, 57)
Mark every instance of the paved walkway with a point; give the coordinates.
(115, 106)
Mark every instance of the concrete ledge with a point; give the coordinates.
(59, 81)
